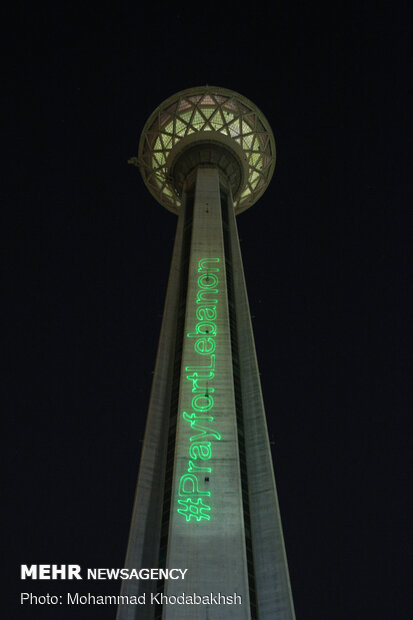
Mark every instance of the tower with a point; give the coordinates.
(206, 499)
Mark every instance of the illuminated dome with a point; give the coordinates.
(206, 126)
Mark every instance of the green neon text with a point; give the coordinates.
(204, 328)
(204, 346)
(202, 402)
(191, 485)
(193, 467)
(191, 488)
(195, 378)
(203, 368)
(194, 509)
(200, 450)
(206, 314)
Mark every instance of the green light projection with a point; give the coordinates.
(191, 495)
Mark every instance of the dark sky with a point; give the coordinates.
(87, 253)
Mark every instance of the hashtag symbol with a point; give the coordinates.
(193, 510)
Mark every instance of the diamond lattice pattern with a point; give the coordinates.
(199, 113)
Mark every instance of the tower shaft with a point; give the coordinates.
(206, 497)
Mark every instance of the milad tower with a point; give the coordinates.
(206, 498)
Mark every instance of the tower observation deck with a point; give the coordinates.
(206, 499)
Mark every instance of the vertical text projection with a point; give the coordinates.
(192, 500)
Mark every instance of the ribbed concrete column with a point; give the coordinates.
(274, 599)
(144, 537)
(206, 533)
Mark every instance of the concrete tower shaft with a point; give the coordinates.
(206, 499)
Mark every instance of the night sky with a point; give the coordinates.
(87, 253)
